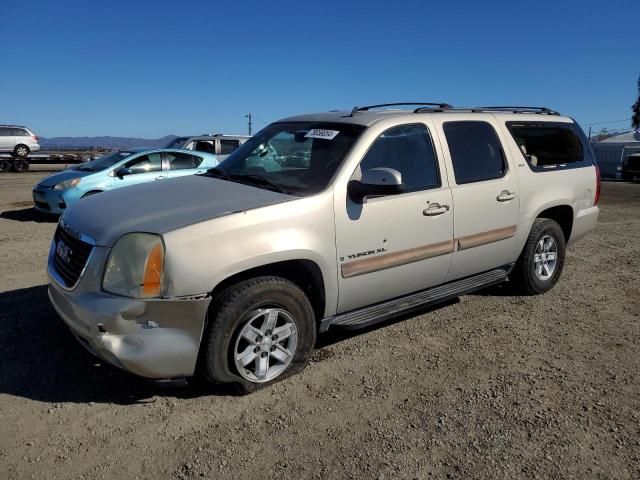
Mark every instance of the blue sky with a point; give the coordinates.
(151, 68)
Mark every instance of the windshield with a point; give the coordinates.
(298, 158)
(103, 162)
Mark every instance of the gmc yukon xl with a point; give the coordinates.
(320, 221)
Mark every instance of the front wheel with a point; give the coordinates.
(260, 331)
(542, 259)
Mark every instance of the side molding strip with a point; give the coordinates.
(478, 239)
(395, 259)
(404, 257)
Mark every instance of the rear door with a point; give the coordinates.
(485, 194)
(181, 163)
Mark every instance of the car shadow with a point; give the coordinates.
(41, 360)
(29, 215)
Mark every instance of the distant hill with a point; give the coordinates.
(106, 142)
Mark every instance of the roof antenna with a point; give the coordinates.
(354, 110)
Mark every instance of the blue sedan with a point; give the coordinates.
(118, 169)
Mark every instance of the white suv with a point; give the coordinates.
(18, 140)
(339, 219)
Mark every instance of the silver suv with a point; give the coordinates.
(219, 144)
(18, 140)
(320, 221)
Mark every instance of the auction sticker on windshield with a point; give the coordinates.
(321, 133)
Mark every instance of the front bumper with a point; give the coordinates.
(584, 222)
(152, 338)
(48, 200)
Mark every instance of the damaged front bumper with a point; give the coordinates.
(153, 338)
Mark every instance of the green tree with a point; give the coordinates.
(635, 118)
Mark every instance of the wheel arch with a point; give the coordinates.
(306, 274)
(561, 214)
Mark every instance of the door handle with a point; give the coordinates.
(506, 195)
(435, 209)
(160, 177)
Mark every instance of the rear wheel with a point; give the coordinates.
(20, 165)
(21, 150)
(260, 331)
(542, 259)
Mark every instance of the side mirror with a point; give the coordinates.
(376, 182)
(123, 172)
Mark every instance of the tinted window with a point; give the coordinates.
(181, 161)
(204, 146)
(476, 152)
(544, 145)
(146, 163)
(228, 146)
(5, 132)
(409, 150)
(19, 132)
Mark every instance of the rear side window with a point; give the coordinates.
(475, 150)
(547, 145)
(19, 132)
(182, 161)
(409, 150)
(228, 146)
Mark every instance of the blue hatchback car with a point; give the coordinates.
(118, 169)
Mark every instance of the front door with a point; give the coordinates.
(393, 245)
(142, 169)
(485, 195)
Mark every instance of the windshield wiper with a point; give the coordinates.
(259, 180)
(216, 172)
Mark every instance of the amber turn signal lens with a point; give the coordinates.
(152, 279)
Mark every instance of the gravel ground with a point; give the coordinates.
(493, 386)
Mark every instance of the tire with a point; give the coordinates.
(529, 276)
(239, 312)
(5, 165)
(20, 166)
(21, 151)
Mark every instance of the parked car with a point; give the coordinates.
(18, 140)
(57, 192)
(631, 168)
(320, 221)
(219, 144)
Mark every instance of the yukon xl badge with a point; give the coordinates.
(63, 251)
(363, 254)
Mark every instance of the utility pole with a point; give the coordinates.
(249, 117)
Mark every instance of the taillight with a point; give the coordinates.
(598, 183)
(35, 137)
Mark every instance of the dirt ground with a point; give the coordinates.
(493, 386)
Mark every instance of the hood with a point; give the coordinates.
(56, 178)
(162, 206)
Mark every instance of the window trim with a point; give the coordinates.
(505, 161)
(435, 158)
(588, 159)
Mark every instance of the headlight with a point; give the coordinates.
(135, 266)
(67, 184)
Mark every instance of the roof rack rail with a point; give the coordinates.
(397, 104)
(542, 110)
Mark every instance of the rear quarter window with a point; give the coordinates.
(550, 146)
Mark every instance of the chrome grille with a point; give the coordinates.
(70, 268)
